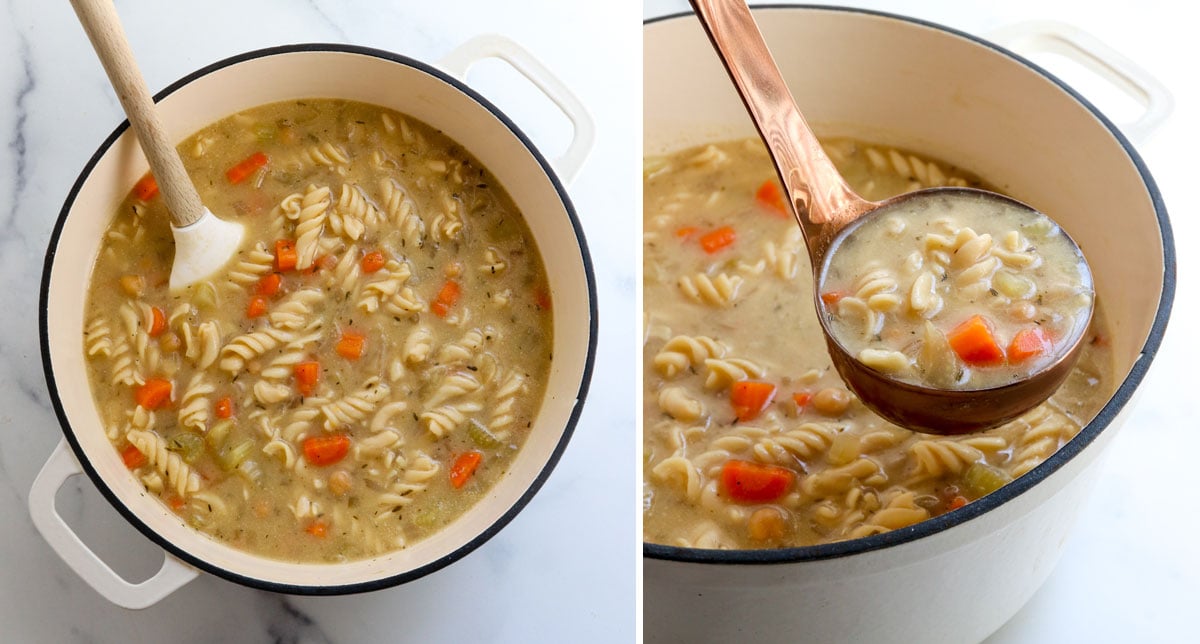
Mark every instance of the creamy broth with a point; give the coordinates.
(751, 440)
(366, 367)
(961, 293)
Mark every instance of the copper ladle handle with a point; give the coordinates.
(820, 198)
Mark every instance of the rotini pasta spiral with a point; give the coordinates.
(682, 352)
(178, 474)
(719, 291)
(310, 223)
(194, 405)
(353, 408)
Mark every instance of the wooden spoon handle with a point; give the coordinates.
(103, 27)
(822, 200)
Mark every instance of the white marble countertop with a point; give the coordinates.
(1131, 571)
(563, 570)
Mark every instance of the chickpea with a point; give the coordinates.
(767, 524)
(831, 401)
(133, 285)
(170, 342)
(340, 482)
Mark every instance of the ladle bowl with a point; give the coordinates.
(941, 411)
(826, 208)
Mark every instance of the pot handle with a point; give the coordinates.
(487, 46)
(1090, 52)
(60, 467)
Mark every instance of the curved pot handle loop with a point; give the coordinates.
(459, 61)
(1090, 52)
(60, 467)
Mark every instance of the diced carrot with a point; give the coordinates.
(269, 285)
(262, 508)
(975, 343)
(956, 503)
(154, 393)
(158, 323)
(351, 345)
(326, 450)
(542, 297)
(714, 241)
(317, 529)
(133, 457)
(749, 398)
(256, 307)
(1028, 343)
(686, 231)
(464, 466)
(446, 298)
(372, 262)
(802, 398)
(752, 482)
(246, 167)
(224, 407)
(320, 263)
(285, 255)
(832, 297)
(769, 196)
(146, 188)
(176, 502)
(308, 374)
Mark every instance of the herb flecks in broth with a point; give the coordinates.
(751, 440)
(366, 367)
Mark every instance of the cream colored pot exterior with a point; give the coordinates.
(958, 577)
(291, 73)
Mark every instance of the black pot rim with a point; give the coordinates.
(407, 575)
(1022, 484)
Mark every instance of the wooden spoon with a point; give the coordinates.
(825, 208)
(203, 242)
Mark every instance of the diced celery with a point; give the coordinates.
(204, 295)
(218, 433)
(1013, 285)
(265, 132)
(481, 436)
(231, 457)
(982, 479)
(425, 519)
(188, 445)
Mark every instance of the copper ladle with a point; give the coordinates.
(825, 207)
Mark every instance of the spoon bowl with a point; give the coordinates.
(204, 243)
(827, 210)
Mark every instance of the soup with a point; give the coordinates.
(751, 440)
(366, 367)
(962, 293)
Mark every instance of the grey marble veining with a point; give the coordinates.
(563, 570)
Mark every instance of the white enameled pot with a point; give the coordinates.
(431, 94)
(898, 81)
